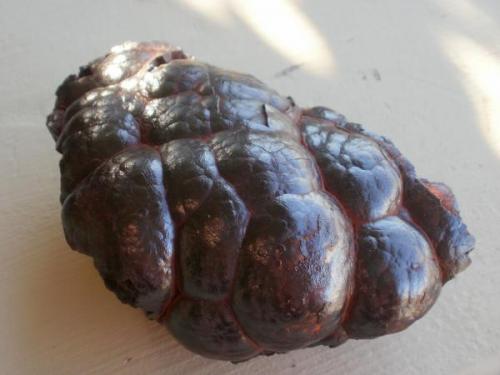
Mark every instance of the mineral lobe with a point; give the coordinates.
(244, 223)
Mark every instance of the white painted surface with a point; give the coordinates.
(423, 72)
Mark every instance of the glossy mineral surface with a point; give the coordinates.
(244, 223)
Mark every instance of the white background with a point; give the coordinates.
(425, 73)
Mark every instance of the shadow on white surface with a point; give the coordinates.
(479, 68)
(488, 366)
(281, 24)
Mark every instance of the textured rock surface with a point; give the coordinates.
(246, 224)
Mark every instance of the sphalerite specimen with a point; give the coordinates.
(244, 223)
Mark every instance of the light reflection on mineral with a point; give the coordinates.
(129, 84)
(150, 82)
(114, 70)
(124, 47)
(91, 96)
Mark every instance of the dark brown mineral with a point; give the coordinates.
(244, 223)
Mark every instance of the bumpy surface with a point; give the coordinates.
(244, 223)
